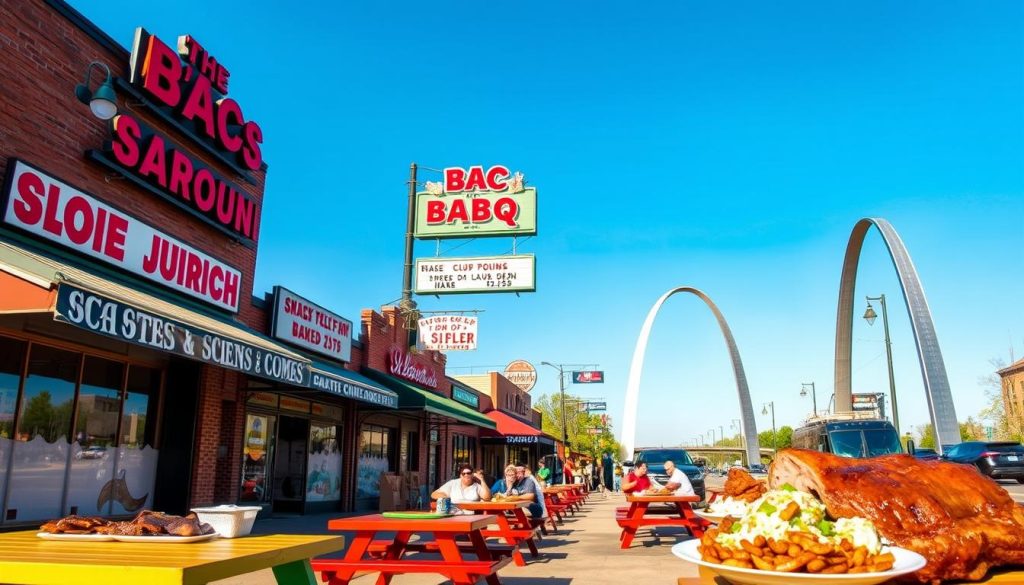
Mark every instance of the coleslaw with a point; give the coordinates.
(764, 517)
(728, 506)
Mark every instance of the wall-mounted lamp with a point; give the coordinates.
(102, 102)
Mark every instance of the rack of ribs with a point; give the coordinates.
(962, 522)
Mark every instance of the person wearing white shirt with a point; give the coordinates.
(677, 483)
(468, 487)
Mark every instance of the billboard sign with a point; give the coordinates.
(486, 274)
(521, 373)
(308, 325)
(51, 209)
(447, 333)
(597, 406)
(475, 202)
(588, 377)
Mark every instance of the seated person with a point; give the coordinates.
(678, 483)
(543, 473)
(468, 487)
(637, 480)
(527, 483)
(514, 487)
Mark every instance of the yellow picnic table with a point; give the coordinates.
(27, 559)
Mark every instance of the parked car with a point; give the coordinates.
(758, 468)
(926, 454)
(92, 452)
(656, 458)
(998, 460)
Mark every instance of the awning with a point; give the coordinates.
(349, 384)
(413, 398)
(107, 307)
(513, 431)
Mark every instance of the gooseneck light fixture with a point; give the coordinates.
(102, 102)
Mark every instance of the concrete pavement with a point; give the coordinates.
(586, 551)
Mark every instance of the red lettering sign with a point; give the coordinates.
(476, 179)
(51, 209)
(402, 365)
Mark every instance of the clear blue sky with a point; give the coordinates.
(731, 148)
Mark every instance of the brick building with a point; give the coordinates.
(1012, 378)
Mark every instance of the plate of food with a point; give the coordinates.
(163, 538)
(711, 516)
(899, 561)
(68, 536)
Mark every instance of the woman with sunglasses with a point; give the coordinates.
(468, 487)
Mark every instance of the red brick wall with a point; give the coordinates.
(383, 331)
(41, 121)
(44, 56)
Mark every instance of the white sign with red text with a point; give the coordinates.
(311, 326)
(56, 211)
(447, 333)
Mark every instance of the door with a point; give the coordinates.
(290, 464)
(257, 455)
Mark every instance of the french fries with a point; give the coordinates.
(797, 552)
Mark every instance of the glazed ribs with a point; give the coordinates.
(962, 522)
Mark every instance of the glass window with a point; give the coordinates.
(257, 452)
(847, 443)
(40, 455)
(882, 442)
(140, 407)
(323, 481)
(49, 394)
(92, 452)
(375, 457)
(12, 358)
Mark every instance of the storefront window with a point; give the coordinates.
(375, 457)
(12, 358)
(256, 455)
(81, 436)
(136, 457)
(324, 470)
(463, 451)
(41, 450)
(92, 451)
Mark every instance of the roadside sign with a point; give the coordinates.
(592, 377)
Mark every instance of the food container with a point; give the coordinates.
(229, 521)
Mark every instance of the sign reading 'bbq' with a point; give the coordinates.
(51, 209)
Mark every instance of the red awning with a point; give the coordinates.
(510, 425)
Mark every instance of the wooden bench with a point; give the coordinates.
(340, 571)
(380, 547)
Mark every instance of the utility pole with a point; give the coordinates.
(407, 304)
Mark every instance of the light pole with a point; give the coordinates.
(736, 424)
(870, 316)
(764, 411)
(814, 395)
(712, 433)
(561, 392)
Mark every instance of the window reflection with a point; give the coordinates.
(12, 355)
(139, 407)
(49, 394)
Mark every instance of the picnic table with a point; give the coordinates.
(638, 516)
(372, 551)
(28, 559)
(515, 533)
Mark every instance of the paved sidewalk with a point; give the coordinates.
(585, 552)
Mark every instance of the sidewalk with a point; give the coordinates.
(585, 552)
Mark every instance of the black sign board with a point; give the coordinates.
(104, 316)
(349, 389)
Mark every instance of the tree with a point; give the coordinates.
(783, 438)
(578, 424)
(1006, 429)
(971, 430)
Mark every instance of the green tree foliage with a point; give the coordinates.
(783, 438)
(578, 425)
(43, 418)
(971, 430)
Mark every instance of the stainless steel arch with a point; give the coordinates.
(933, 368)
(636, 367)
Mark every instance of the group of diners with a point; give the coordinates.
(638, 481)
(516, 485)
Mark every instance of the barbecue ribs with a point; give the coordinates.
(962, 522)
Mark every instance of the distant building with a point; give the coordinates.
(1012, 380)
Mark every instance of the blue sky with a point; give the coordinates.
(731, 148)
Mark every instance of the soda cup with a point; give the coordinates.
(444, 505)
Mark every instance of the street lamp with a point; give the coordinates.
(736, 424)
(561, 392)
(764, 411)
(712, 432)
(814, 395)
(870, 316)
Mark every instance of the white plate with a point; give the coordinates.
(75, 537)
(710, 517)
(907, 561)
(165, 538)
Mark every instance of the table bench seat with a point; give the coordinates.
(339, 571)
(379, 547)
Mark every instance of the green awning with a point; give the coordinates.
(412, 398)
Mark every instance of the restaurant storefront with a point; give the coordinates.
(130, 226)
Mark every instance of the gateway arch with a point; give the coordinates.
(636, 367)
(933, 369)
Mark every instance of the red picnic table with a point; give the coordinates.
(390, 558)
(637, 516)
(520, 530)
